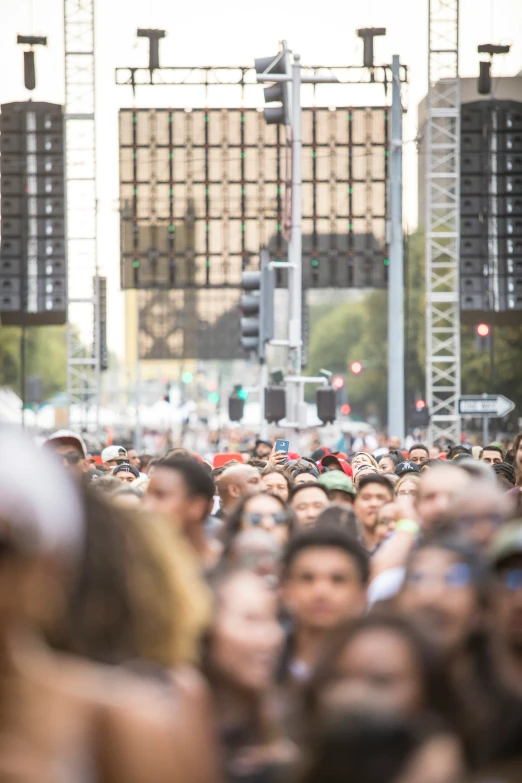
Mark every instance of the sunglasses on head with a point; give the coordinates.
(255, 519)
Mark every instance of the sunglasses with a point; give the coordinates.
(256, 519)
(511, 579)
(457, 575)
(72, 457)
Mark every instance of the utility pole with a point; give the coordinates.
(396, 268)
(295, 392)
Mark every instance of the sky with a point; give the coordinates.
(234, 32)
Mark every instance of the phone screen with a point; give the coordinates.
(282, 445)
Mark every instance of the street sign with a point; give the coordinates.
(485, 405)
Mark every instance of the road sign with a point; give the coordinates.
(486, 405)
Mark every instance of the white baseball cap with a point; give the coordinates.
(113, 452)
(67, 436)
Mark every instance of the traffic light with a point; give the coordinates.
(275, 404)
(326, 399)
(338, 382)
(346, 409)
(280, 91)
(356, 368)
(257, 307)
(483, 337)
(421, 414)
(236, 403)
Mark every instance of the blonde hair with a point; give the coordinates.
(408, 477)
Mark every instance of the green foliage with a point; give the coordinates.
(45, 356)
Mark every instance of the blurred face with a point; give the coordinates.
(277, 484)
(263, 451)
(387, 517)
(379, 668)
(308, 504)
(386, 464)
(491, 457)
(434, 452)
(72, 458)
(439, 595)
(133, 458)
(267, 513)
(305, 478)
(167, 495)
(418, 456)
(360, 459)
(340, 498)
(247, 637)
(247, 481)
(409, 488)
(125, 476)
(507, 604)
(478, 514)
(368, 502)
(437, 490)
(323, 588)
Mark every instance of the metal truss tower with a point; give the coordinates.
(442, 221)
(83, 343)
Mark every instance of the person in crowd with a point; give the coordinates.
(264, 510)
(478, 512)
(240, 656)
(434, 451)
(506, 475)
(340, 488)
(276, 481)
(418, 454)
(363, 458)
(374, 491)
(492, 455)
(362, 470)
(61, 715)
(235, 483)
(408, 485)
(145, 460)
(438, 487)
(134, 458)
(405, 467)
(307, 500)
(112, 456)
(71, 448)
(388, 463)
(387, 517)
(324, 580)
(301, 471)
(262, 449)
(335, 462)
(256, 550)
(181, 490)
(126, 472)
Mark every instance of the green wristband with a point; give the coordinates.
(408, 526)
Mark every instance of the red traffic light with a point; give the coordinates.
(420, 405)
(356, 368)
(482, 330)
(337, 382)
(345, 409)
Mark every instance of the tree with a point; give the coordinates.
(45, 356)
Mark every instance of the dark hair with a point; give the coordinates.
(342, 517)
(492, 447)
(376, 478)
(195, 477)
(256, 462)
(505, 471)
(145, 460)
(307, 485)
(436, 687)
(327, 538)
(233, 525)
(396, 455)
(364, 746)
(457, 450)
(419, 446)
(295, 467)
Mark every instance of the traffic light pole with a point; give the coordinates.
(295, 392)
(396, 268)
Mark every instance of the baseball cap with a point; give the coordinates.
(336, 480)
(67, 436)
(331, 459)
(507, 543)
(126, 468)
(406, 467)
(113, 452)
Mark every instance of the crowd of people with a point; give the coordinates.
(330, 618)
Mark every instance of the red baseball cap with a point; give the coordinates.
(329, 459)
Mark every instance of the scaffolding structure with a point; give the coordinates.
(442, 221)
(83, 327)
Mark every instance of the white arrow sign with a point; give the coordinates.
(487, 405)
